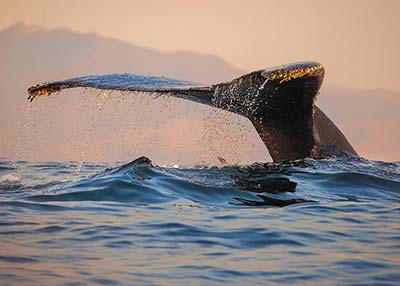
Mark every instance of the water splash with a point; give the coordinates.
(120, 125)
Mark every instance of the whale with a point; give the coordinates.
(278, 101)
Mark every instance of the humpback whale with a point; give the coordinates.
(279, 102)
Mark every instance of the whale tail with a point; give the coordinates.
(128, 82)
(278, 101)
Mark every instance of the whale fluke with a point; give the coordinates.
(127, 82)
(328, 135)
(278, 101)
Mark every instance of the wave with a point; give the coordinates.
(268, 184)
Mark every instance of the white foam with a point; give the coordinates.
(9, 178)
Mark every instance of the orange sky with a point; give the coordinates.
(357, 41)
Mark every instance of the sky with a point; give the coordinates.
(357, 41)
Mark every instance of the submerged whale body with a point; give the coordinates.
(278, 101)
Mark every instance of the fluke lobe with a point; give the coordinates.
(278, 101)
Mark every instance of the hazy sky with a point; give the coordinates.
(357, 41)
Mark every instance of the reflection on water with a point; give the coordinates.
(328, 222)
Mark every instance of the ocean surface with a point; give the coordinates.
(325, 222)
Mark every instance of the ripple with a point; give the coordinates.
(33, 206)
(18, 259)
(49, 229)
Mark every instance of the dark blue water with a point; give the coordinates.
(327, 222)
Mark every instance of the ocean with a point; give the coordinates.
(309, 222)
